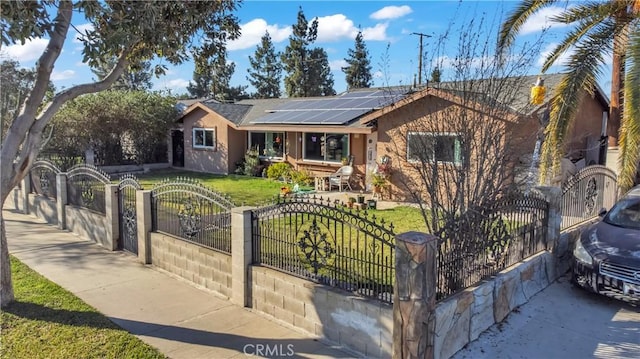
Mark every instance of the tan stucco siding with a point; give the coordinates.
(214, 160)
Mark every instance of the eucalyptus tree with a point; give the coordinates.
(358, 69)
(135, 77)
(598, 29)
(132, 31)
(266, 70)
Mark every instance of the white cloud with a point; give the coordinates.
(64, 75)
(541, 20)
(252, 32)
(561, 61)
(337, 27)
(376, 33)
(337, 65)
(391, 12)
(81, 31)
(31, 50)
(177, 83)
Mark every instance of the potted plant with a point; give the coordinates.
(350, 202)
(361, 198)
(345, 161)
(378, 181)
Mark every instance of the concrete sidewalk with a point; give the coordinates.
(170, 314)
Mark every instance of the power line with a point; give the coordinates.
(420, 56)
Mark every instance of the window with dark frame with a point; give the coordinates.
(330, 147)
(204, 138)
(269, 144)
(434, 147)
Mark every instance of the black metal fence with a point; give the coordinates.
(85, 187)
(64, 160)
(586, 193)
(127, 212)
(315, 239)
(483, 242)
(43, 179)
(185, 208)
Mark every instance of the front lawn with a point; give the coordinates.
(46, 321)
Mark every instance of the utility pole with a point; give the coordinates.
(420, 56)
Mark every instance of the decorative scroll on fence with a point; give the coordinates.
(318, 240)
(484, 241)
(185, 208)
(586, 193)
(85, 187)
(43, 179)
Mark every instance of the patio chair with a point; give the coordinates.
(341, 178)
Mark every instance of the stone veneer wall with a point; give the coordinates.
(360, 324)
(463, 317)
(202, 266)
(88, 224)
(44, 208)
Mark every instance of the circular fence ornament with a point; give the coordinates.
(190, 218)
(316, 248)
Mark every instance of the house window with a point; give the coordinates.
(204, 138)
(434, 147)
(330, 147)
(269, 144)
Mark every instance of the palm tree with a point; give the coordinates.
(599, 28)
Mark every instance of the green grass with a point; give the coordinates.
(46, 321)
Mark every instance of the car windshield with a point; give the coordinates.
(625, 213)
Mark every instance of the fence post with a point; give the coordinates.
(26, 189)
(555, 243)
(414, 297)
(143, 220)
(112, 214)
(61, 199)
(241, 254)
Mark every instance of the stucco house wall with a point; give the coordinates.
(214, 160)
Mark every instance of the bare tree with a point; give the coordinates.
(454, 146)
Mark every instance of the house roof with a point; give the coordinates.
(233, 112)
(487, 93)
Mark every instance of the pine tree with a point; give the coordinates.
(358, 71)
(435, 74)
(266, 70)
(200, 87)
(295, 58)
(319, 74)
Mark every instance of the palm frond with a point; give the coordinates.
(511, 27)
(588, 11)
(629, 138)
(574, 37)
(584, 67)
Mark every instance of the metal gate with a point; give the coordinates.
(127, 188)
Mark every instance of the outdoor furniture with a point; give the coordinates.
(321, 182)
(341, 178)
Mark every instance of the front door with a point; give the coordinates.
(177, 141)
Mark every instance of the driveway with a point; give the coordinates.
(563, 322)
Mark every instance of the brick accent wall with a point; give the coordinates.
(194, 263)
(360, 324)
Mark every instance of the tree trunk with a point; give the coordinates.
(617, 85)
(6, 284)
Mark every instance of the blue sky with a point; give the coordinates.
(384, 24)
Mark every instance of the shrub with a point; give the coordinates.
(278, 170)
(301, 177)
(251, 162)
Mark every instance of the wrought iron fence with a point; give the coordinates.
(185, 208)
(324, 242)
(43, 179)
(127, 212)
(484, 241)
(64, 160)
(85, 187)
(586, 193)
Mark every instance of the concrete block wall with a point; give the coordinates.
(463, 317)
(88, 224)
(44, 208)
(360, 324)
(202, 266)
